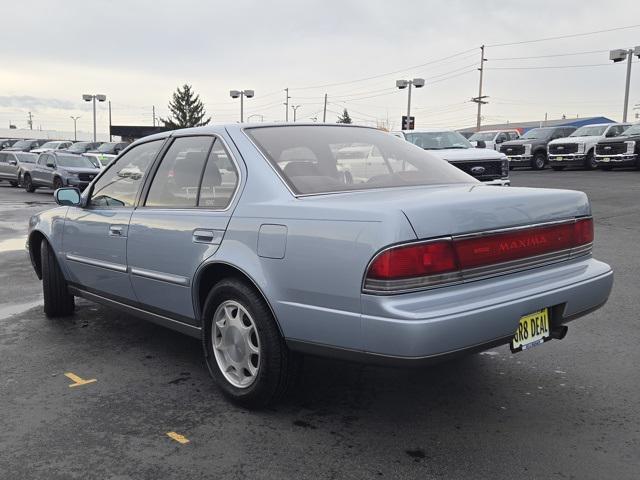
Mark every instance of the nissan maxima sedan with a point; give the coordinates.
(255, 240)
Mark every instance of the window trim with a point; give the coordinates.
(147, 187)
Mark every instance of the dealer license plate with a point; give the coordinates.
(606, 159)
(533, 330)
(559, 159)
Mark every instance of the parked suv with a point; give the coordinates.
(55, 145)
(493, 138)
(57, 169)
(82, 147)
(102, 156)
(578, 149)
(488, 166)
(11, 164)
(25, 145)
(7, 142)
(530, 150)
(621, 151)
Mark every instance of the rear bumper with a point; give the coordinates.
(568, 160)
(622, 160)
(444, 321)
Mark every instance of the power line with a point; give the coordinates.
(549, 56)
(326, 85)
(558, 37)
(542, 67)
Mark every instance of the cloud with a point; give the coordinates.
(35, 103)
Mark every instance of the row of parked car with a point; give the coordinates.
(34, 163)
(604, 145)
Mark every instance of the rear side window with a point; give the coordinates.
(220, 179)
(177, 180)
(323, 159)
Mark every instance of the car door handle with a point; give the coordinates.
(207, 236)
(116, 230)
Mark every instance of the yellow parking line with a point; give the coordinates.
(177, 437)
(77, 380)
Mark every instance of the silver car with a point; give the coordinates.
(255, 240)
(11, 164)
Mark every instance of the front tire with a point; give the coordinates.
(590, 161)
(243, 348)
(28, 184)
(538, 161)
(58, 302)
(57, 183)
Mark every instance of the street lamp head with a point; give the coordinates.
(401, 84)
(101, 98)
(618, 55)
(636, 51)
(418, 82)
(87, 98)
(249, 93)
(234, 93)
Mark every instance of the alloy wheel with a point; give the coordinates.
(236, 344)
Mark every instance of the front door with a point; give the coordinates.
(95, 236)
(180, 223)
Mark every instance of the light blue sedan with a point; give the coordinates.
(274, 240)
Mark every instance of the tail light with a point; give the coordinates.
(455, 259)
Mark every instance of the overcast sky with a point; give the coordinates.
(137, 52)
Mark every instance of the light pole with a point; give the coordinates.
(241, 94)
(619, 55)
(92, 98)
(295, 109)
(402, 84)
(255, 115)
(75, 131)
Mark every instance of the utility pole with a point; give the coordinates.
(480, 99)
(295, 109)
(619, 55)
(75, 131)
(324, 112)
(286, 104)
(110, 139)
(30, 122)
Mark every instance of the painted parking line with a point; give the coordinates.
(178, 438)
(77, 381)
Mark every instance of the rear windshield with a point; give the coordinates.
(323, 159)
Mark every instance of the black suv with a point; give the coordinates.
(530, 150)
(622, 151)
(26, 145)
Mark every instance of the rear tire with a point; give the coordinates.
(28, 183)
(558, 169)
(58, 302)
(539, 161)
(275, 365)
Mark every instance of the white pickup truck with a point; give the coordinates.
(578, 149)
(488, 166)
(493, 138)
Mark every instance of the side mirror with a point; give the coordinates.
(51, 165)
(499, 140)
(481, 144)
(13, 162)
(67, 196)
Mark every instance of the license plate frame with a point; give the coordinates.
(538, 322)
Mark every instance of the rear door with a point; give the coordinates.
(180, 222)
(39, 169)
(95, 236)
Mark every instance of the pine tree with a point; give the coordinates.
(344, 118)
(186, 110)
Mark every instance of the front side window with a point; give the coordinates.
(177, 181)
(323, 159)
(120, 184)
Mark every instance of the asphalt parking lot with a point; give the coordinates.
(567, 409)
